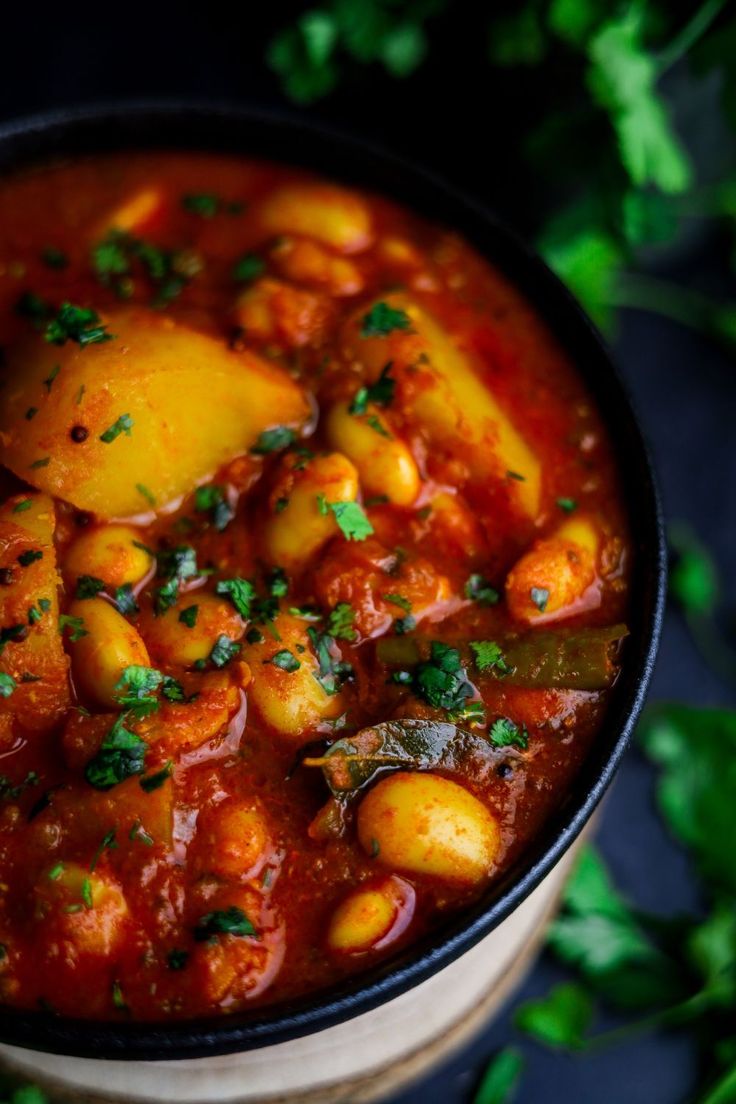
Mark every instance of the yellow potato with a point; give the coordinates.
(109, 552)
(442, 392)
(425, 824)
(295, 534)
(280, 313)
(134, 213)
(90, 909)
(193, 403)
(292, 703)
(306, 262)
(385, 464)
(110, 644)
(171, 641)
(29, 605)
(551, 578)
(371, 916)
(232, 838)
(327, 212)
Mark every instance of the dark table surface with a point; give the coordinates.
(451, 117)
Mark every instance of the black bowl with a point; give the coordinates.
(293, 140)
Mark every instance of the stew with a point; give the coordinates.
(313, 582)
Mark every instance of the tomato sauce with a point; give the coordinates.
(313, 582)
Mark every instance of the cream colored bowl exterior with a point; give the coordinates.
(359, 1060)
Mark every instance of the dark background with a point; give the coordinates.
(455, 117)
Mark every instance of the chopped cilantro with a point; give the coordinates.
(212, 500)
(154, 781)
(135, 689)
(278, 584)
(284, 659)
(88, 586)
(188, 616)
(480, 590)
(383, 319)
(240, 592)
(173, 691)
(332, 671)
(488, 656)
(7, 685)
(122, 754)
(398, 600)
(381, 393)
(31, 555)
(24, 504)
(224, 650)
(43, 462)
(230, 921)
(504, 733)
(144, 491)
(207, 205)
(125, 599)
(78, 324)
(567, 505)
(340, 622)
(75, 626)
(273, 440)
(107, 843)
(176, 959)
(123, 424)
(247, 268)
(49, 381)
(540, 597)
(352, 520)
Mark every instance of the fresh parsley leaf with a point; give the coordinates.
(382, 320)
(177, 959)
(188, 616)
(212, 500)
(75, 626)
(332, 671)
(125, 599)
(567, 505)
(561, 1019)
(154, 781)
(501, 1078)
(7, 685)
(136, 689)
(31, 555)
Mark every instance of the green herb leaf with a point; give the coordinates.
(479, 590)
(230, 921)
(273, 440)
(248, 268)
(78, 324)
(501, 1078)
(380, 393)
(122, 754)
(224, 650)
(123, 424)
(284, 659)
(240, 592)
(505, 733)
(382, 320)
(340, 622)
(488, 655)
(351, 518)
(561, 1019)
(88, 586)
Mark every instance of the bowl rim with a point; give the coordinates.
(258, 132)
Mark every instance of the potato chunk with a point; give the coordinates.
(443, 394)
(425, 824)
(103, 647)
(191, 404)
(331, 214)
(286, 692)
(89, 910)
(550, 581)
(371, 917)
(33, 655)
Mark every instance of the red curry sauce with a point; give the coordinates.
(282, 462)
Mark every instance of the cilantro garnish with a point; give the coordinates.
(135, 689)
(24, 504)
(188, 616)
(223, 651)
(273, 440)
(154, 781)
(80, 324)
(380, 393)
(352, 520)
(175, 565)
(230, 921)
(441, 681)
(31, 555)
(123, 424)
(144, 491)
(383, 319)
(7, 685)
(540, 597)
(240, 592)
(333, 671)
(248, 268)
(504, 733)
(284, 659)
(177, 959)
(480, 590)
(567, 505)
(277, 582)
(207, 205)
(107, 843)
(88, 586)
(340, 622)
(121, 755)
(125, 599)
(212, 500)
(75, 626)
(488, 656)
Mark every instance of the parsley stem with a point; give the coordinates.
(686, 38)
(674, 1016)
